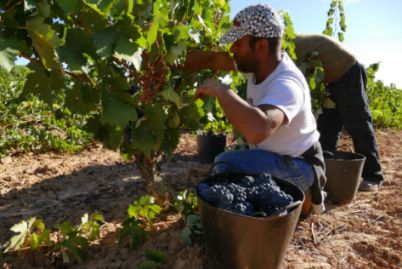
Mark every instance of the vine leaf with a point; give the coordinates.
(116, 111)
(144, 208)
(175, 52)
(170, 95)
(45, 40)
(150, 133)
(8, 53)
(131, 229)
(77, 44)
(42, 83)
(70, 6)
(129, 51)
(23, 230)
(81, 98)
(104, 42)
(171, 139)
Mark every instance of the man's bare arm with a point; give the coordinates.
(216, 61)
(253, 123)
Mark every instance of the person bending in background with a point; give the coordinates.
(347, 106)
(277, 118)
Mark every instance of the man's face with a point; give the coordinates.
(244, 55)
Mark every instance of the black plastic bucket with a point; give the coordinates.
(343, 171)
(209, 146)
(238, 242)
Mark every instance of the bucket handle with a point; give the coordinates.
(232, 168)
(288, 207)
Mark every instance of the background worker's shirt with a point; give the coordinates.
(336, 60)
(286, 88)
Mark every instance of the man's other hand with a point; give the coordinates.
(211, 87)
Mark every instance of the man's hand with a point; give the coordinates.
(211, 87)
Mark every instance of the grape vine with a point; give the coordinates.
(95, 51)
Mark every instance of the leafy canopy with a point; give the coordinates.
(95, 51)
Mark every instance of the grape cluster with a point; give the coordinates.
(252, 196)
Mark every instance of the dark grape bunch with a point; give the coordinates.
(256, 196)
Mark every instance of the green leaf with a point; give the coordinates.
(40, 235)
(111, 136)
(160, 18)
(65, 228)
(129, 51)
(104, 41)
(144, 208)
(193, 227)
(116, 111)
(152, 33)
(153, 124)
(44, 9)
(175, 52)
(39, 224)
(9, 49)
(43, 84)
(312, 83)
(81, 98)
(131, 229)
(34, 242)
(77, 45)
(90, 226)
(7, 57)
(45, 40)
(182, 32)
(185, 236)
(97, 217)
(75, 244)
(189, 116)
(70, 6)
(170, 140)
(170, 95)
(102, 7)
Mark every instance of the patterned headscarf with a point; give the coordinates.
(259, 20)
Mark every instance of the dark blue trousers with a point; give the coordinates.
(351, 112)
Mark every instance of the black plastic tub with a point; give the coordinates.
(343, 172)
(238, 241)
(209, 146)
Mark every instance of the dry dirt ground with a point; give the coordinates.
(366, 233)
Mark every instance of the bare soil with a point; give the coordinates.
(366, 233)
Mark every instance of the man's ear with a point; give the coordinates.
(262, 45)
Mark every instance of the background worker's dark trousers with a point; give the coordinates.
(352, 112)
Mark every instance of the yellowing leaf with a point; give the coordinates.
(23, 230)
(45, 40)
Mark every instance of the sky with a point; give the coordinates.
(373, 33)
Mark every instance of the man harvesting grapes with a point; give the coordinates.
(276, 119)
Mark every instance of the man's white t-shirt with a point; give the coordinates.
(287, 89)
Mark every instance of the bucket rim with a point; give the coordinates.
(339, 155)
(246, 216)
